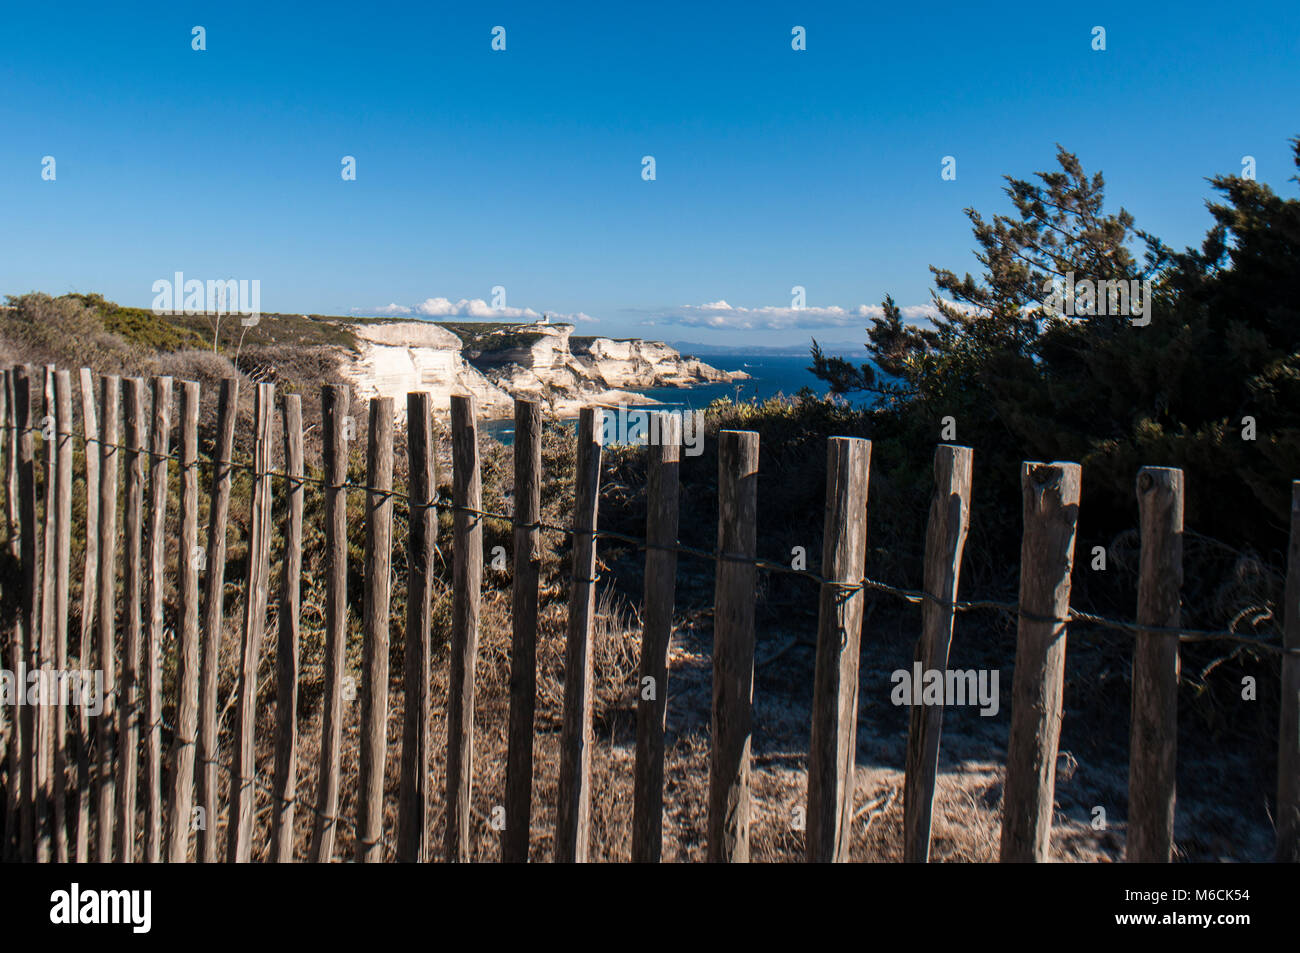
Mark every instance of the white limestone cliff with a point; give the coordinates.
(534, 361)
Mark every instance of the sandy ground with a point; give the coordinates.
(1220, 814)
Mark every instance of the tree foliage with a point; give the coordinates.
(1022, 382)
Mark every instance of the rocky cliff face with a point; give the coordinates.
(496, 363)
(394, 359)
(645, 364)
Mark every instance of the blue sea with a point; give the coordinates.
(769, 376)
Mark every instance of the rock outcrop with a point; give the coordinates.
(395, 358)
(497, 362)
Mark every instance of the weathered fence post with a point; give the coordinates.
(159, 448)
(7, 719)
(11, 466)
(285, 785)
(129, 702)
(13, 799)
(422, 539)
(1152, 752)
(1288, 742)
(832, 755)
(90, 572)
(573, 811)
(1051, 508)
(243, 760)
(46, 651)
(214, 599)
(62, 545)
(944, 541)
(187, 657)
(105, 738)
(733, 647)
(662, 491)
(29, 620)
(523, 640)
(378, 585)
(467, 543)
(335, 429)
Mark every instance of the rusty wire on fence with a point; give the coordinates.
(913, 596)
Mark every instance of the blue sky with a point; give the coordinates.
(522, 168)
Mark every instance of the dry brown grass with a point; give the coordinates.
(616, 642)
(967, 802)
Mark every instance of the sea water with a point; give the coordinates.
(768, 377)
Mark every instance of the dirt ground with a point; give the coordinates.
(1221, 814)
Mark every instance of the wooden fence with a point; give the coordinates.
(70, 775)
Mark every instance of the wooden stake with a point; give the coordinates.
(662, 492)
(11, 467)
(945, 539)
(188, 559)
(733, 646)
(105, 735)
(286, 652)
(29, 620)
(10, 724)
(832, 757)
(334, 431)
(1152, 752)
(214, 599)
(523, 639)
(378, 585)
(62, 546)
(89, 575)
(573, 812)
(467, 542)
(243, 759)
(46, 653)
(130, 702)
(422, 541)
(156, 584)
(1051, 508)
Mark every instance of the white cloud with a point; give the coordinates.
(718, 315)
(471, 308)
(722, 316)
(476, 308)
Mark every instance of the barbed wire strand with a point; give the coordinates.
(913, 596)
